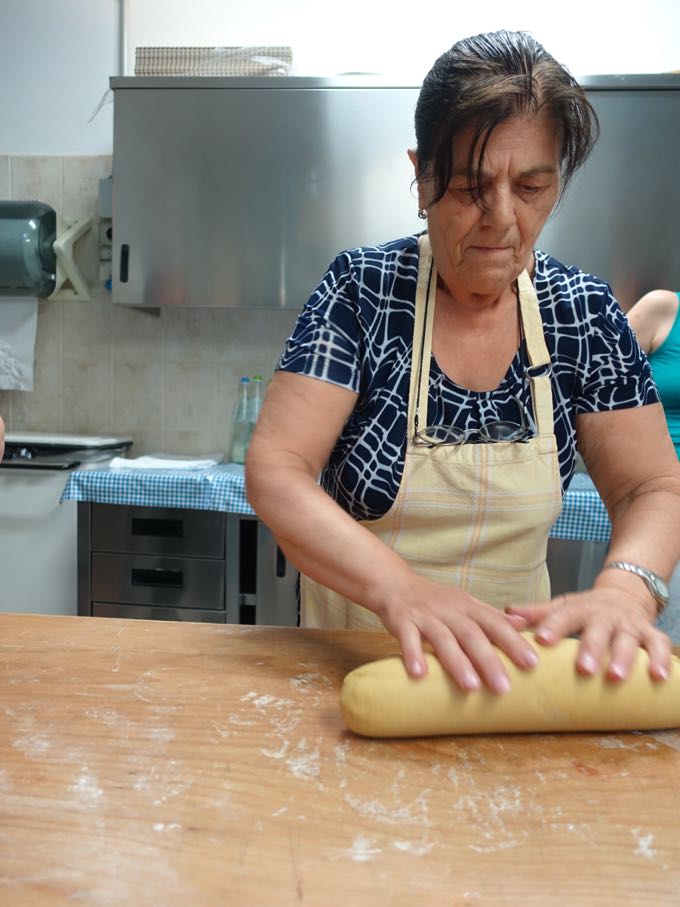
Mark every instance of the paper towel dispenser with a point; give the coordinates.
(28, 262)
(36, 252)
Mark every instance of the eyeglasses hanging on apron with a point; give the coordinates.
(490, 432)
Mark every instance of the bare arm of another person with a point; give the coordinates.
(652, 317)
(301, 420)
(632, 462)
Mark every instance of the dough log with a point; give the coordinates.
(379, 699)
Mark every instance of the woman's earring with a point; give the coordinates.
(422, 213)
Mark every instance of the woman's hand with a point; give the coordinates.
(462, 632)
(612, 623)
(631, 459)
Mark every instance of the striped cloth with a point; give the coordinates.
(583, 516)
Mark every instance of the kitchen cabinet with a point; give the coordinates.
(223, 187)
(158, 563)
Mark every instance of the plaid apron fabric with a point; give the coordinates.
(476, 516)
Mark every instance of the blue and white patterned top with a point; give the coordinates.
(356, 331)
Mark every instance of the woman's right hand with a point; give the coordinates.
(463, 631)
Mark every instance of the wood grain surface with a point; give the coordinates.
(151, 763)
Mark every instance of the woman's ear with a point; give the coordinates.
(413, 157)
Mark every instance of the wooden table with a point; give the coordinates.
(149, 763)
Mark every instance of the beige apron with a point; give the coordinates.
(476, 516)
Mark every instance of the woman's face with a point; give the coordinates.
(482, 250)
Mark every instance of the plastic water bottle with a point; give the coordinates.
(240, 426)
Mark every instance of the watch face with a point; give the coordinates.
(661, 586)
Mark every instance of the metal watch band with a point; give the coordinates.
(653, 581)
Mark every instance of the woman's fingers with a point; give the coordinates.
(611, 634)
(411, 643)
(596, 640)
(449, 652)
(624, 650)
(658, 647)
(456, 661)
(516, 622)
(531, 614)
(465, 652)
(625, 644)
(469, 650)
(483, 658)
(506, 638)
(566, 615)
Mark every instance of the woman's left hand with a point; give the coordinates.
(612, 625)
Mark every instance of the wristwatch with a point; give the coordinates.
(653, 581)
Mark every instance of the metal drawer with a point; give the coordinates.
(155, 612)
(158, 530)
(135, 579)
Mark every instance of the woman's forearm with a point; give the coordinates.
(320, 539)
(645, 532)
(632, 461)
(286, 453)
(646, 529)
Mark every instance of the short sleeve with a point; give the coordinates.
(618, 375)
(326, 339)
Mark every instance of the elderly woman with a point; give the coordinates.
(440, 385)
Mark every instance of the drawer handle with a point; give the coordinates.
(124, 262)
(167, 529)
(162, 579)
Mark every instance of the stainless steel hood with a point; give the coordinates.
(239, 192)
(619, 218)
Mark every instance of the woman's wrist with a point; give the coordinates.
(389, 586)
(632, 587)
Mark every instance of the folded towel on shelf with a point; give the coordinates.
(213, 61)
(166, 461)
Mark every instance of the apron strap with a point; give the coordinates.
(426, 291)
(539, 357)
(531, 322)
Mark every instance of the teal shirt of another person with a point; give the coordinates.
(655, 318)
(665, 362)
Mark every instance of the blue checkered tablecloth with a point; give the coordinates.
(222, 487)
(584, 517)
(218, 488)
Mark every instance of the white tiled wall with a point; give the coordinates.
(167, 377)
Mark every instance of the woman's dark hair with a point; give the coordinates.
(484, 80)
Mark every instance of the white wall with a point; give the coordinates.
(56, 55)
(403, 36)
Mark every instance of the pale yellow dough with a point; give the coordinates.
(379, 699)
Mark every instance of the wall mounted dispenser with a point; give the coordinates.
(36, 253)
